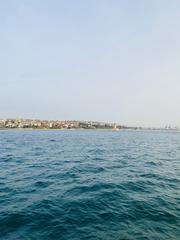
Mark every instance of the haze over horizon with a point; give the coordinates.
(103, 60)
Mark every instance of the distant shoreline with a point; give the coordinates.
(37, 124)
(97, 129)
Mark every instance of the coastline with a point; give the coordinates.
(96, 129)
(37, 124)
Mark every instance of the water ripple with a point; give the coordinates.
(100, 185)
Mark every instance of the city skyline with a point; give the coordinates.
(8, 123)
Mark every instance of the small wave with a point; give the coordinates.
(42, 184)
(89, 185)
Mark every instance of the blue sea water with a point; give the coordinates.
(104, 185)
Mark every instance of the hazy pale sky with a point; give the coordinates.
(105, 60)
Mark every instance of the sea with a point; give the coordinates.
(89, 184)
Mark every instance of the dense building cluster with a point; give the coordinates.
(45, 124)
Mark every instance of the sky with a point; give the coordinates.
(102, 60)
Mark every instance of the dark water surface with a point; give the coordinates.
(73, 185)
